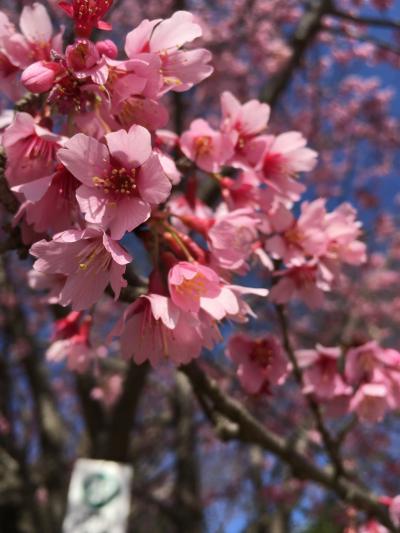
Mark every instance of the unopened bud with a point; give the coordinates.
(107, 48)
(40, 76)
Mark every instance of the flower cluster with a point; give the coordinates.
(369, 383)
(91, 165)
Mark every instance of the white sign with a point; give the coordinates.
(98, 497)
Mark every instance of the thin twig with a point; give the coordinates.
(363, 38)
(330, 444)
(368, 21)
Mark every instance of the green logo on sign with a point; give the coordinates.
(100, 489)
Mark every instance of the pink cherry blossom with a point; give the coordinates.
(52, 205)
(169, 167)
(75, 348)
(154, 329)
(8, 70)
(261, 361)
(189, 282)
(133, 86)
(120, 180)
(88, 159)
(84, 60)
(180, 68)
(247, 120)
(36, 40)
(343, 230)
(371, 401)
(30, 150)
(83, 99)
(284, 157)
(194, 287)
(187, 213)
(307, 282)
(231, 238)
(52, 283)
(321, 373)
(208, 148)
(297, 239)
(137, 76)
(88, 259)
(362, 361)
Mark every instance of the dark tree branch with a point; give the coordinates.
(248, 429)
(109, 433)
(308, 27)
(123, 415)
(187, 483)
(93, 414)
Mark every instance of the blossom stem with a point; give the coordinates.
(179, 241)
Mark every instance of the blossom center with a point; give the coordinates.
(242, 238)
(67, 95)
(203, 145)
(241, 142)
(273, 165)
(304, 276)
(327, 368)
(119, 183)
(294, 235)
(262, 353)
(194, 287)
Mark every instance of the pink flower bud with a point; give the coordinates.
(39, 77)
(107, 48)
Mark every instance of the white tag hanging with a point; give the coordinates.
(98, 497)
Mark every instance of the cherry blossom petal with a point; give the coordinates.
(35, 23)
(131, 148)
(85, 158)
(152, 182)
